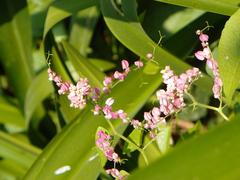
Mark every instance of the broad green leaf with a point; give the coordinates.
(130, 27)
(163, 138)
(83, 66)
(221, 6)
(18, 151)
(135, 136)
(83, 26)
(229, 56)
(101, 64)
(62, 9)
(213, 155)
(37, 92)
(16, 45)
(10, 170)
(11, 115)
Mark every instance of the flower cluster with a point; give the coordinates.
(120, 76)
(206, 54)
(171, 99)
(115, 173)
(77, 94)
(108, 112)
(103, 144)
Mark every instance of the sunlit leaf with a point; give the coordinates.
(210, 156)
(229, 55)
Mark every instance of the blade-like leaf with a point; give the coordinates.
(16, 46)
(221, 6)
(83, 66)
(229, 55)
(83, 28)
(37, 92)
(17, 150)
(213, 155)
(131, 32)
(62, 9)
(11, 115)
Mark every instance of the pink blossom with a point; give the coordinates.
(122, 115)
(203, 37)
(64, 88)
(109, 101)
(115, 173)
(96, 94)
(200, 55)
(211, 63)
(149, 55)
(125, 66)
(107, 81)
(77, 94)
(136, 123)
(96, 110)
(102, 142)
(138, 63)
(119, 76)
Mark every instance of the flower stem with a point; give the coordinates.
(128, 141)
(219, 109)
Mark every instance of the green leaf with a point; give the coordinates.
(221, 6)
(10, 170)
(83, 26)
(101, 64)
(229, 56)
(163, 138)
(11, 115)
(136, 137)
(37, 92)
(213, 155)
(131, 27)
(16, 45)
(18, 151)
(62, 9)
(83, 66)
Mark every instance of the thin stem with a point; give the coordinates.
(128, 141)
(219, 109)
(148, 143)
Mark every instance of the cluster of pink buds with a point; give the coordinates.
(77, 94)
(206, 54)
(108, 112)
(171, 99)
(103, 143)
(63, 86)
(115, 173)
(120, 76)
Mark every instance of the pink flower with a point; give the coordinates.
(203, 37)
(64, 88)
(200, 55)
(211, 63)
(136, 123)
(96, 94)
(138, 63)
(118, 75)
(149, 55)
(115, 173)
(96, 110)
(122, 115)
(125, 66)
(107, 81)
(109, 101)
(102, 142)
